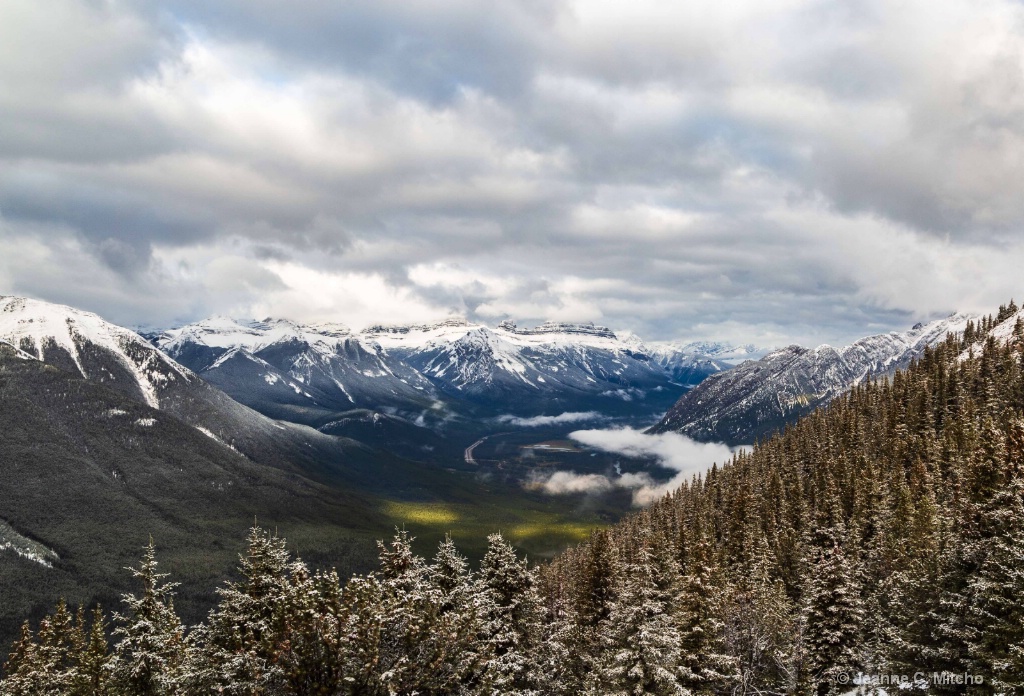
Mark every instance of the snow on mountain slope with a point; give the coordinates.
(1012, 326)
(84, 343)
(303, 373)
(13, 351)
(417, 336)
(758, 397)
(530, 370)
(81, 343)
(297, 372)
(222, 332)
(691, 363)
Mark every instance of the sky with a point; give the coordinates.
(766, 172)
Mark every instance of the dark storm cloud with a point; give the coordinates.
(805, 170)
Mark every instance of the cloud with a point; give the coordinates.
(562, 418)
(794, 171)
(645, 489)
(562, 482)
(672, 450)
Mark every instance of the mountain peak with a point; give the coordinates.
(450, 323)
(83, 342)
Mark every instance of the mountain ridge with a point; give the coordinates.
(430, 373)
(756, 398)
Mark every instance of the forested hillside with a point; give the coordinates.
(883, 534)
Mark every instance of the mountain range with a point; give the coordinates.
(385, 382)
(107, 440)
(757, 398)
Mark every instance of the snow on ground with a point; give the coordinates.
(10, 540)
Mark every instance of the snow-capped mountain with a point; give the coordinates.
(691, 363)
(551, 359)
(756, 398)
(297, 372)
(83, 343)
(526, 365)
(427, 372)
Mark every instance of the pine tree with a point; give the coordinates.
(311, 651)
(643, 653)
(411, 628)
(833, 611)
(995, 612)
(92, 673)
(419, 649)
(697, 600)
(512, 619)
(759, 630)
(235, 651)
(589, 610)
(63, 658)
(148, 654)
(23, 667)
(461, 612)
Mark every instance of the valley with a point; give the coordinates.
(108, 441)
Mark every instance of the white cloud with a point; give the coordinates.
(538, 421)
(812, 171)
(672, 450)
(563, 482)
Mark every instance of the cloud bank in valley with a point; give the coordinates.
(560, 419)
(672, 450)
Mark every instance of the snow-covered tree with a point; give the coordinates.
(512, 619)
(643, 644)
(66, 657)
(411, 628)
(833, 611)
(995, 614)
(150, 637)
(235, 651)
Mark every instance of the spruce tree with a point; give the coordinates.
(235, 652)
(643, 644)
(995, 612)
(833, 612)
(512, 617)
(150, 637)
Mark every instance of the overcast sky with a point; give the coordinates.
(752, 171)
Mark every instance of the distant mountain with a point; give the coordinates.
(692, 363)
(107, 439)
(548, 369)
(300, 373)
(432, 375)
(83, 344)
(756, 398)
